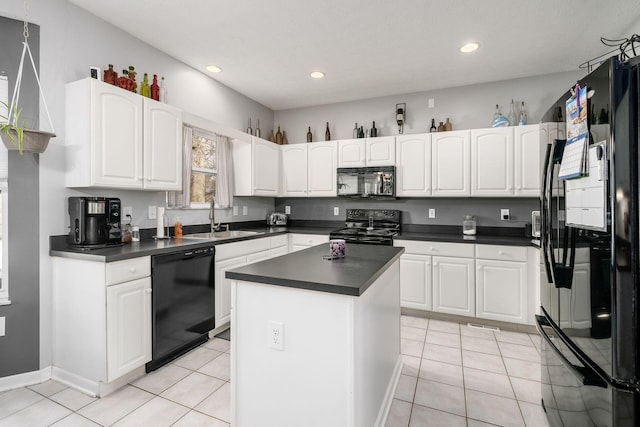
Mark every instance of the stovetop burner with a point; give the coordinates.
(372, 226)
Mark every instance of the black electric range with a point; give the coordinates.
(369, 226)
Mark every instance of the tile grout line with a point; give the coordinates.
(511, 383)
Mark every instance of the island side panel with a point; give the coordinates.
(309, 382)
(377, 348)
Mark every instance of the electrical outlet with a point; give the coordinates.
(432, 213)
(431, 103)
(2, 325)
(127, 210)
(245, 211)
(287, 210)
(336, 210)
(235, 211)
(275, 335)
(504, 214)
(152, 212)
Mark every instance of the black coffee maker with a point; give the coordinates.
(94, 221)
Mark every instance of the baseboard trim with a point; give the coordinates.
(383, 413)
(81, 384)
(25, 379)
(505, 326)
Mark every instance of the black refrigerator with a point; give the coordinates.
(589, 290)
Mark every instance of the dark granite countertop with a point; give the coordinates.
(306, 269)
(460, 238)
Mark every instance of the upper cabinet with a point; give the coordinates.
(450, 160)
(492, 162)
(256, 169)
(367, 152)
(294, 170)
(321, 169)
(119, 139)
(530, 144)
(413, 165)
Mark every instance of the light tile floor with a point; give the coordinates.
(453, 375)
(192, 391)
(456, 375)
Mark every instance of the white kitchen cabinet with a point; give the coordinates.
(454, 286)
(321, 169)
(128, 327)
(294, 170)
(501, 290)
(238, 254)
(530, 146)
(119, 139)
(298, 242)
(162, 142)
(102, 326)
(415, 280)
(450, 164)
(366, 152)
(492, 162)
(413, 165)
(257, 171)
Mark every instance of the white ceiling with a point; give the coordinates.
(369, 48)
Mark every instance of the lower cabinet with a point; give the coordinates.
(101, 326)
(297, 242)
(484, 281)
(454, 286)
(238, 254)
(128, 327)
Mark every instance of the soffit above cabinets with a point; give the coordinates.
(369, 49)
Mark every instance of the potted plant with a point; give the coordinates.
(16, 137)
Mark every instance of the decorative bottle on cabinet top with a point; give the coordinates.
(447, 125)
(512, 115)
(279, 136)
(258, 132)
(523, 115)
(355, 131)
(249, 128)
(155, 89)
(309, 135)
(374, 132)
(327, 133)
(433, 127)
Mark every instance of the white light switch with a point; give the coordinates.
(2, 323)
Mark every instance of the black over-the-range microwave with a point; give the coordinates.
(377, 182)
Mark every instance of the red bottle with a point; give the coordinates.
(155, 89)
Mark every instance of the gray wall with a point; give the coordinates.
(414, 211)
(19, 347)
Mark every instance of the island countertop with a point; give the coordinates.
(306, 269)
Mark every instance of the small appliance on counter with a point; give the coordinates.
(277, 218)
(94, 221)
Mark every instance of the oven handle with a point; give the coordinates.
(585, 374)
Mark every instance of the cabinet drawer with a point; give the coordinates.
(501, 253)
(462, 250)
(278, 241)
(308, 239)
(128, 269)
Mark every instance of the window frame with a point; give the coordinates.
(211, 136)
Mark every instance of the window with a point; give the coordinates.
(4, 286)
(203, 169)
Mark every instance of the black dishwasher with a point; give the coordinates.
(182, 304)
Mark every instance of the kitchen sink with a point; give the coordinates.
(220, 235)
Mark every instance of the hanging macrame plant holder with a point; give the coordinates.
(15, 136)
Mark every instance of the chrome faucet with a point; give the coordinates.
(212, 219)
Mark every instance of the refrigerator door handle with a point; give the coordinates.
(585, 375)
(545, 221)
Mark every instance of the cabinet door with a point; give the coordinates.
(351, 153)
(492, 162)
(294, 170)
(321, 173)
(128, 327)
(450, 164)
(530, 145)
(454, 286)
(501, 290)
(223, 287)
(413, 165)
(380, 151)
(415, 282)
(265, 160)
(162, 146)
(117, 137)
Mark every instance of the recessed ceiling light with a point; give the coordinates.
(213, 68)
(317, 74)
(469, 47)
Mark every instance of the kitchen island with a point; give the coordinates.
(316, 342)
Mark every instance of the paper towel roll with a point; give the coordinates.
(160, 222)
